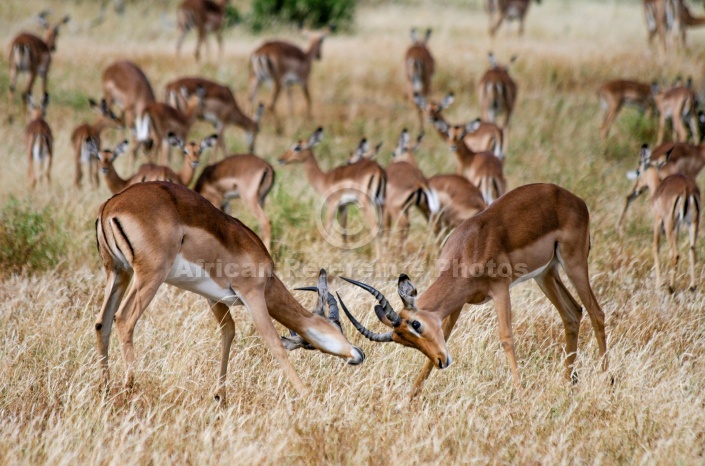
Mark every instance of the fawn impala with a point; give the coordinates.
(126, 85)
(481, 135)
(155, 233)
(482, 259)
(284, 64)
(362, 182)
(205, 16)
(685, 159)
(483, 169)
(419, 67)
(497, 92)
(675, 202)
(31, 54)
(39, 142)
(678, 103)
(509, 10)
(615, 94)
(84, 133)
(245, 176)
(219, 108)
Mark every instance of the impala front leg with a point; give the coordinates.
(221, 312)
(503, 308)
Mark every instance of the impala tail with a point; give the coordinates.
(263, 67)
(417, 74)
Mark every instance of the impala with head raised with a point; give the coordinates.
(497, 92)
(31, 54)
(39, 142)
(219, 108)
(205, 16)
(419, 67)
(679, 104)
(284, 64)
(507, 10)
(675, 202)
(615, 94)
(243, 176)
(155, 233)
(482, 259)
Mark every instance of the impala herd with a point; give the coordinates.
(156, 230)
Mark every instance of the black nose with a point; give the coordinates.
(360, 357)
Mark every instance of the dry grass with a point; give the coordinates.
(50, 408)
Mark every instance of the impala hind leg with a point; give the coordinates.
(655, 248)
(693, 236)
(221, 312)
(252, 202)
(503, 307)
(115, 288)
(571, 314)
(673, 257)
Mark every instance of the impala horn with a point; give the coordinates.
(370, 335)
(385, 309)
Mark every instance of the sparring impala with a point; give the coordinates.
(219, 108)
(530, 232)
(362, 183)
(86, 132)
(481, 135)
(155, 233)
(669, 159)
(675, 203)
(419, 67)
(31, 54)
(679, 104)
(509, 10)
(205, 16)
(243, 176)
(483, 169)
(284, 64)
(497, 92)
(39, 142)
(126, 86)
(615, 94)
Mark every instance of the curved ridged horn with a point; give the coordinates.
(392, 316)
(333, 312)
(378, 337)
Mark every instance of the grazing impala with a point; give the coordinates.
(675, 202)
(155, 233)
(39, 142)
(362, 182)
(31, 54)
(244, 176)
(125, 85)
(482, 259)
(481, 135)
(497, 92)
(670, 159)
(419, 67)
(91, 132)
(284, 64)
(205, 16)
(615, 94)
(509, 10)
(219, 108)
(458, 200)
(679, 104)
(483, 169)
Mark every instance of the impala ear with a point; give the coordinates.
(664, 160)
(428, 35)
(513, 59)
(94, 105)
(362, 148)
(419, 138)
(447, 100)
(492, 59)
(316, 137)
(376, 151)
(121, 148)
(259, 113)
(441, 126)
(407, 291)
(42, 18)
(632, 175)
(45, 101)
(473, 126)
(645, 155)
(209, 142)
(92, 148)
(175, 141)
(414, 36)
(403, 141)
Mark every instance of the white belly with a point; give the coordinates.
(193, 277)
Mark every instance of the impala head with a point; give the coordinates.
(433, 109)
(404, 147)
(316, 41)
(192, 151)
(363, 151)
(106, 157)
(410, 326)
(455, 134)
(495, 64)
(327, 334)
(646, 175)
(416, 39)
(51, 32)
(106, 113)
(35, 111)
(301, 150)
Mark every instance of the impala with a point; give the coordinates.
(419, 67)
(31, 54)
(675, 202)
(284, 64)
(481, 135)
(669, 16)
(219, 108)
(688, 20)
(39, 142)
(509, 10)
(125, 85)
(615, 94)
(678, 103)
(84, 133)
(458, 200)
(363, 151)
(244, 176)
(155, 233)
(497, 92)
(483, 169)
(482, 259)
(669, 159)
(362, 182)
(205, 16)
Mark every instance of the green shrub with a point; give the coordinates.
(30, 240)
(232, 16)
(313, 13)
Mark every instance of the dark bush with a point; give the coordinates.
(311, 13)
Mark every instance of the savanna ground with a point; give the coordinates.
(51, 410)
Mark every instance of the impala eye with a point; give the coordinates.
(416, 325)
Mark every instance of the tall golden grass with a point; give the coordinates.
(51, 410)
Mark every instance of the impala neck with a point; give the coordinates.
(313, 52)
(652, 180)
(463, 154)
(315, 175)
(444, 296)
(237, 117)
(187, 171)
(284, 308)
(114, 182)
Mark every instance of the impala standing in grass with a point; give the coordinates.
(679, 104)
(615, 94)
(205, 16)
(39, 142)
(497, 92)
(507, 10)
(419, 67)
